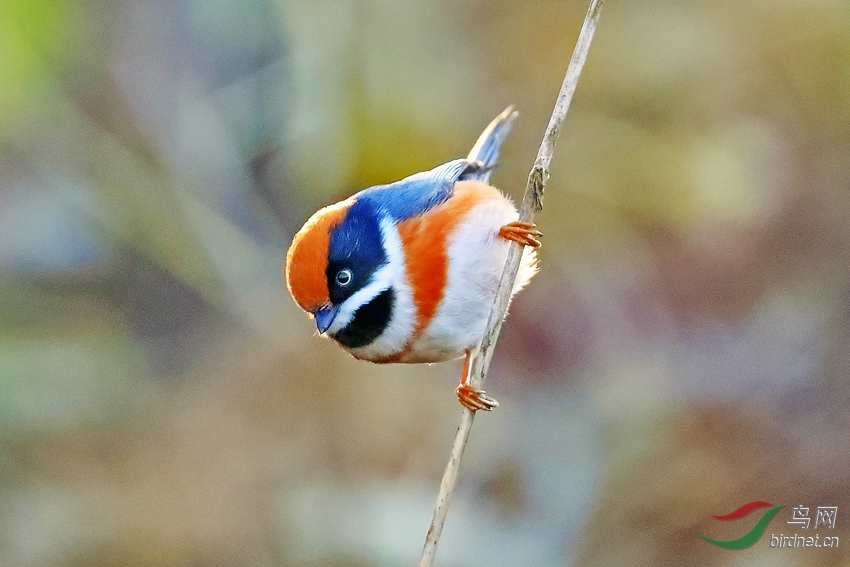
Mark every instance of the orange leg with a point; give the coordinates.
(524, 233)
(469, 397)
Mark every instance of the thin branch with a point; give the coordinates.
(532, 202)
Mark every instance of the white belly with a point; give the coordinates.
(477, 257)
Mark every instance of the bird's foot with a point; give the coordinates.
(474, 399)
(521, 232)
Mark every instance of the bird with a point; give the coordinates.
(408, 272)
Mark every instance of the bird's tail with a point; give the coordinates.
(485, 152)
(481, 161)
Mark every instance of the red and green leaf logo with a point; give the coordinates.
(751, 536)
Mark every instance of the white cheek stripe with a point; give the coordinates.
(381, 281)
(390, 275)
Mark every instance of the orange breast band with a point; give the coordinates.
(426, 248)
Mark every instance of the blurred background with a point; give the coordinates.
(684, 350)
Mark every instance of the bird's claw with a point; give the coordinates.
(474, 399)
(521, 232)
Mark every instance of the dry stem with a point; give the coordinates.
(532, 202)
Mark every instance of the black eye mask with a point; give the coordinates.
(355, 245)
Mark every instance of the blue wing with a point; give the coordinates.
(409, 197)
(416, 194)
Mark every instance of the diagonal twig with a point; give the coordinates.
(532, 202)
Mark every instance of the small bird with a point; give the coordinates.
(408, 272)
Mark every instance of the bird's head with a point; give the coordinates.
(336, 271)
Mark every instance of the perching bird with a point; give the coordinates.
(408, 272)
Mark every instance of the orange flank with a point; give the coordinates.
(309, 251)
(425, 248)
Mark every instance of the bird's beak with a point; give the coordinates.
(325, 317)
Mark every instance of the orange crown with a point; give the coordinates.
(307, 258)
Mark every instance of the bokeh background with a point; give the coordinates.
(684, 350)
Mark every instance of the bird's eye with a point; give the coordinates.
(344, 277)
